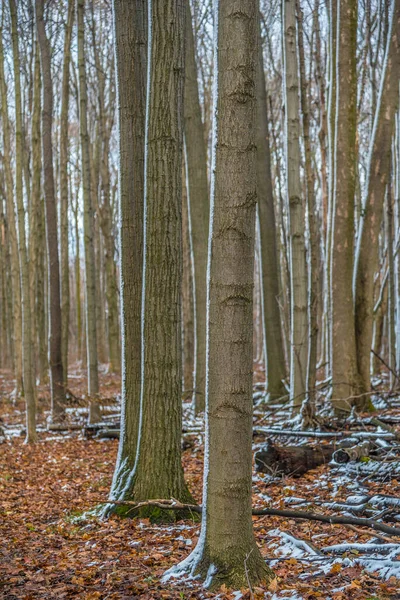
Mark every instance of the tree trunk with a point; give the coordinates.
(227, 552)
(56, 366)
(36, 199)
(198, 207)
(188, 317)
(297, 213)
(313, 225)
(64, 254)
(130, 30)
(392, 296)
(155, 475)
(378, 175)
(12, 230)
(28, 374)
(88, 222)
(344, 364)
(274, 354)
(331, 120)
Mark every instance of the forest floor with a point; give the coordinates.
(46, 551)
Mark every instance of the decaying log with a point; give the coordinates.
(345, 455)
(291, 460)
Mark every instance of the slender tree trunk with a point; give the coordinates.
(35, 207)
(12, 229)
(344, 364)
(88, 221)
(378, 175)
(331, 120)
(130, 30)
(274, 354)
(64, 254)
(56, 366)
(227, 552)
(28, 374)
(198, 207)
(160, 475)
(297, 211)
(313, 225)
(392, 297)
(188, 317)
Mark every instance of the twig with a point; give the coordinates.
(374, 534)
(396, 375)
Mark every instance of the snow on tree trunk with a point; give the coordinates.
(226, 552)
(130, 28)
(299, 326)
(378, 174)
(198, 207)
(159, 474)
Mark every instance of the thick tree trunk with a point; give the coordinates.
(227, 552)
(274, 354)
(88, 222)
(198, 207)
(64, 254)
(155, 475)
(28, 371)
(344, 363)
(130, 28)
(378, 175)
(299, 327)
(55, 359)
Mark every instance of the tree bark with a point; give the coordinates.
(12, 230)
(88, 221)
(378, 175)
(55, 359)
(313, 225)
(274, 353)
(28, 372)
(198, 207)
(299, 326)
(227, 552)
(344, 362)
(158, 476)
(130, 30)
(64, 253)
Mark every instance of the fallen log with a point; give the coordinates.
(291, 460)
(345, 455)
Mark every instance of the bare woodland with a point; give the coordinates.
(200, 299)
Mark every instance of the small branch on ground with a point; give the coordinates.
(260, 512)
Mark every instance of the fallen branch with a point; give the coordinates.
(325, 434)
(261, 512)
